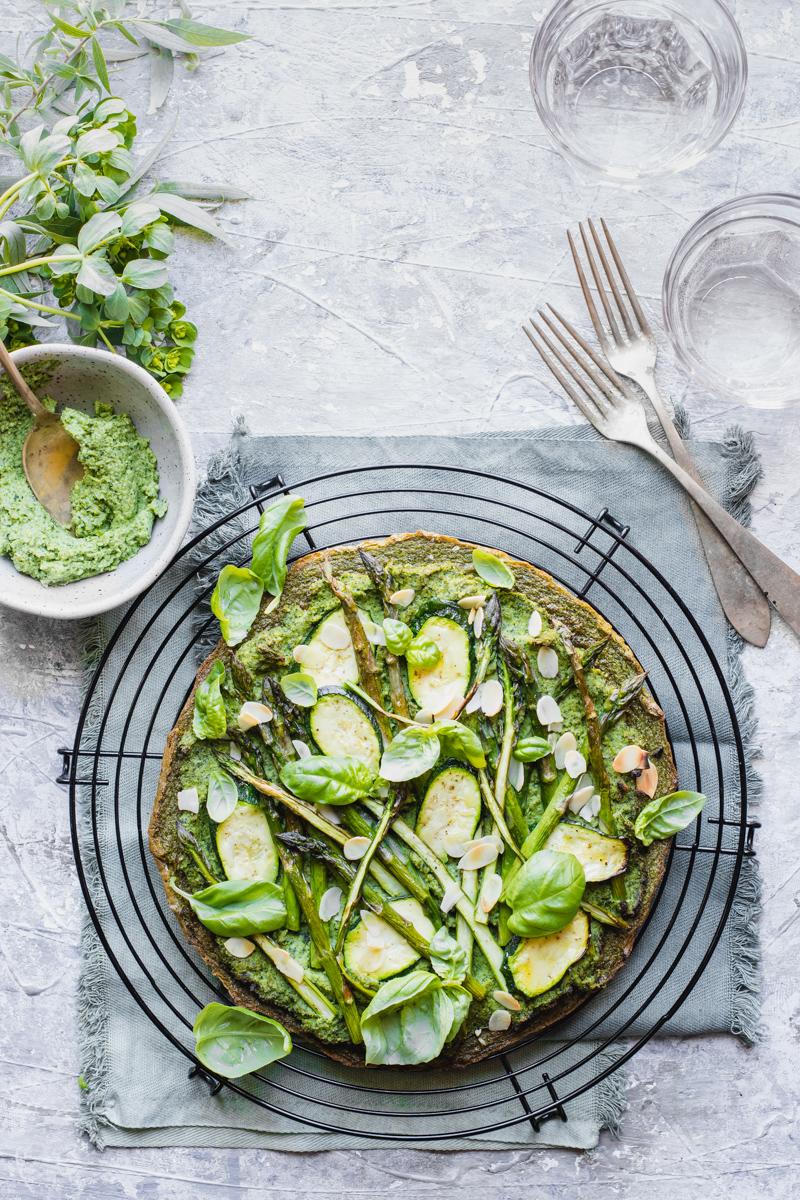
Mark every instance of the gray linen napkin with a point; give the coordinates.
(138, 1093)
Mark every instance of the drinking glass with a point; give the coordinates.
(638, 88)
(731, 299)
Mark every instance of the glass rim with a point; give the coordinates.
(712, 221)
(719, 128)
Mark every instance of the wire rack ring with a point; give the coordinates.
(147, 671)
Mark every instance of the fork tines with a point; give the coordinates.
(600, 388)
(632, 315)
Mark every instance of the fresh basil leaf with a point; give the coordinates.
(300, 688)
(531, 749)
(545, 893)
(328, 780)
(423, 653)
(235, 602)
(233, 1041)
(448, 958)
(458, 741)
(413, 752)
(277, 529)
(492, 569)
(210, 719)
(222, 796)
(411, 1018)
(398, 635)
(668, 815)
(238, 907)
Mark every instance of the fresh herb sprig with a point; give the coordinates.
(82, 238)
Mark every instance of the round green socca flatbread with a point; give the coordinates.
(438, 569)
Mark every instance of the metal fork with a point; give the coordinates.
(628, 343)
(618, 414)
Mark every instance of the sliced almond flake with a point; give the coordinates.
(374, 632)
(535, 624)
(507, 1000)
(482, 855)
(574, 764)
(451, 710)
(355, 848)
(595, 804)
(287, 965)
(556, 727)
(451, 897)
(564, 744)
(307, 656)
(587, 812)
(334, 636)
(402, 598)
(234, 752)
(499, 1020)
(329, 903)
(239, 947)
(474, 702)
(491, 697)
(647, 782)
(189, 800)
(516, 774)
(303, 751)
(630, 758)
(472, 601)
(330, 814)
(471, 616)
(547, 662)
(579, 797)
(490, 839)
(480, 616)
(490, 892)
(253, 713)
(424, 717)
(547, 710)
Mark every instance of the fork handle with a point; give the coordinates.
(777, 580)
(742, 600)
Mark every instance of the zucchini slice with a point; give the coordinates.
(448, 628)
(539, 963)
(330, 665)
(374, 951)
(245, 846)
(450, 809)
(340, 723)
(601, 857)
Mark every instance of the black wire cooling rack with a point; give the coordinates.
(147, 671)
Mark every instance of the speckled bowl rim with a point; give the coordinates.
(51, 605)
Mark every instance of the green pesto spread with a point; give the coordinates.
(437, 572)
(113, 505)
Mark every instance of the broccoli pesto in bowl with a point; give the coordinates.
(114, 505)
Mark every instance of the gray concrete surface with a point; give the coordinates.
(407, 211)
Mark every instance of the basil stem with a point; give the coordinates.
(491, 950)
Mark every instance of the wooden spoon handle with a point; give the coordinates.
(12, 370)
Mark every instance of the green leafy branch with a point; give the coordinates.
(81, 237)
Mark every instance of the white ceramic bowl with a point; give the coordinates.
(81, 376)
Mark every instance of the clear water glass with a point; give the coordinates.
(731, 300)
(638, 88)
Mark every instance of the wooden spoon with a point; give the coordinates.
(49, 454)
